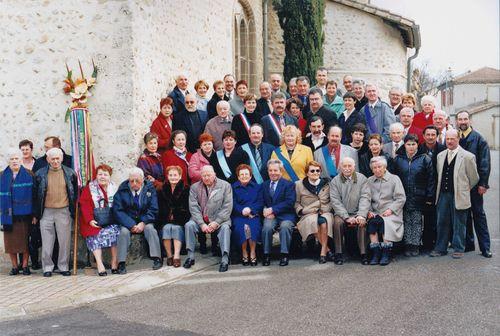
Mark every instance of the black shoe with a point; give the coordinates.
(330, 256)
(47, 274)
(284, 260)
(115, 271)
(266, 261)
(14, 271)
(26, 271)
(102, 273)
(35, 266)
(65, 273)
(223, 267)
(157, 264)
(487, 254)
(469, 248)
(364, 259)
(253, 261)
(188, 263)
(203, 248)
(385, 258)
(121, 268)
(338, 259)
(245, 261)
(322, 259)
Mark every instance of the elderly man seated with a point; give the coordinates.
(350, 202)
(135, 208)
(385, 217)
(210, 205)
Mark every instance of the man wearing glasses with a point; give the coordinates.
(192, 121)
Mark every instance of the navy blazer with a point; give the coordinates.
(283, 201)
(182, 122)
(263, 107)
(266, 150)
(178, 99)
(126, 213)
(355, 118)
(270, 135)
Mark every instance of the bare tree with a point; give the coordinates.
(423, 82)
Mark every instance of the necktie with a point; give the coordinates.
(272, 188)
(450, 156)
(282, 122)
(394, 149)
(440, 138)
(136, 200)
(258, 158)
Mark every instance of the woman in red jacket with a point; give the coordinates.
(162, 125)
(178, 155)
(99, 194)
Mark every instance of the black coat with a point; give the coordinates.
(212, 105)
(240, 130)
(476, 144)
(308, 142)
(176, 204)
(360, 103)
(178, 99)
(329, 118)
(183, 121)
(357, 117)
(237, 157)
(417, 176)
(263, 107)
(432, 153)
(364, 163)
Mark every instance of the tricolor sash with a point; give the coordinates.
(245, 122)
(223, 163)
(370, 121)
(276, 126)
(286, 165)
(332, 171)
(256, 173)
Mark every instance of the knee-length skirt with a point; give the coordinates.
(16, 241)
(253, 232)
(107, 237)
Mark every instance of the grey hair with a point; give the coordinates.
(440, 112)
(207, 167)
(371, 84)
(335, 127)
(452, 131)
(347, 159)
(136, 171)
(303, 78)
(220, 103)
(54, 152)
(409, 109)
(380, 159)
(275, 161)
(257, 125)
(293, 81)
(278, 95)
(12, 152)
(358, 82)
(396, 127)
(428, 99)
(396, 88)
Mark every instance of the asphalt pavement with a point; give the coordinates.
(411, 296)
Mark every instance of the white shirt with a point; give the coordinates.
(317, 141)
(347, 114)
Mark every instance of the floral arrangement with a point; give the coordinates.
(79, 89)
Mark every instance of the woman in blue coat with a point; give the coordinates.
(248, 202)
(415, 170)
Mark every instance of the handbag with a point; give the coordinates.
(103, 216)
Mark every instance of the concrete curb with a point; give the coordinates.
(145, 280)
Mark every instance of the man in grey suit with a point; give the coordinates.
(378, 114)
(457, 175)
(396, 133)
(210, 204)
(331, 155)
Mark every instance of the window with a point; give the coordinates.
(244, 44)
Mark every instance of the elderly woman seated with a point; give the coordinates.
(313, 207)
(292, 154)
(98, 226)
(385, 217)
(16, 187)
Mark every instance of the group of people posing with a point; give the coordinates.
(321, 160)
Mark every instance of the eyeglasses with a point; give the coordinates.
(190, 102)
(315, 171)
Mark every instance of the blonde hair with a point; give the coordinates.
(291, 129)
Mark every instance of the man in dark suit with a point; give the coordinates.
(319, 109)
(432, 148)
(276, 82)
(258, 152)
(279, 212)
(264, 104)
(273, 123)
(472, 141)
(317, 138)
(52, 142)
(179, 93)
(303, 86)
(192, 121)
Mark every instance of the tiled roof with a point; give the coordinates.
(481, 76)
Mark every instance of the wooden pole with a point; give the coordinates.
(75, 240)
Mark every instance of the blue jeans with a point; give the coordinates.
(448, 217)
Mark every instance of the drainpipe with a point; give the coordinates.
(416, 37)
(265, 39)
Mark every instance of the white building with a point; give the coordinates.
(479, 93)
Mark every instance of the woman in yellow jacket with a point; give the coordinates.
(292, 154)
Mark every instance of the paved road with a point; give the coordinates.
(419, 296)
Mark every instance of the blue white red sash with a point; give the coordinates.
(245, 121)
(276, 125)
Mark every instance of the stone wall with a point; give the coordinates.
(356, 43)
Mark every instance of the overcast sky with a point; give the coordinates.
(463, 35)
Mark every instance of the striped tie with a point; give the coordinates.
(258, 158)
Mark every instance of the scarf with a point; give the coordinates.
(102, 198)
(180, 153)
(203, 196)
(15, 195)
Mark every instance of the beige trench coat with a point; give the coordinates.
(388, 193)
(311, 205)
